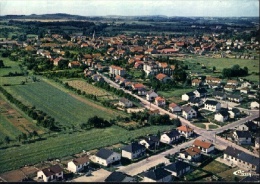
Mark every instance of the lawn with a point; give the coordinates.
(195, 174)
(65, 107)
(213, 126)
(215, 167)
(228, 175)
(63, 145)
(201, 125)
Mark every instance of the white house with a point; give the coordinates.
(190, 154)
(212, 105)
(204, 146)
(221, 116)
(53, 173)
(151, 142)
(157, 175)
(116, 70)
(187, 96)
(242, 137)
(106, 157)
(78, 164)
(151, 95)
(125, 102)
(174, 108)
(254, 105)
(133, 151)
(242, 127)
(170, 137)
(185, 130)
(188, 112)
(200, 92)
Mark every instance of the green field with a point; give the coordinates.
(65, 108)
(201, 125)
(221, 63)
(68, 144)
(7, 129)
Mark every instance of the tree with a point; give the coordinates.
(2, 64)
(24, 136)
(7, 140)
(213, 68)
(34, 133)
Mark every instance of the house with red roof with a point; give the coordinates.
(162, 77)
(78, 164)
(204, 146)
(160, 101)
(175, 108)
(185, 130)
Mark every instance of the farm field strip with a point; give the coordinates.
(58, 104)
(7, 129)
(68, 144)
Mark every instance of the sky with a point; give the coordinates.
(208, 8)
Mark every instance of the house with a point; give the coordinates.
(150, 142)
(53, 173)
(221, 116)
(219, 95)
(162, 77)
(174, 108)
(242, 137)
(254, 105)
(188, 112)
(133, 151)
(170, 137)
(178, 168)
(246, 85)
(125, 103)
(117, 176)
(106, 157)
(116, 70)
(195, 102)
(97, 78)
(256, 121)
(232, 82)
(242, 127)
(187, 96)
(234, 113)
(212, 105)
(185, 130)
(234, 98)
(204, 146)
(141, 91)
(192, 154)
(200, 92)
(138, 86)
(257, 142)
(78, 164)
(229, 88)
(157, 175)
(151, 95)
(196, 82)
(241, 159)
(250, 126)
(244, 90)
(74, 64)
(160, 101)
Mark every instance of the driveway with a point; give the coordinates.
(96, 176)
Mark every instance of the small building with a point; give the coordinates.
(221, 116)
(212, 105)
(117, 176)
(195, 102)
(162, 77)
(74, 64)
(116, 70)
(150, 142)
(234, 98)
(78, 164)
(185, 130)
(151, 95)
(219, 95)
(196, 82)
(234, 113)
(192, 154)
(160, 101)
(242, 127)
(254, 105)
(188, 112)
(175, 108)
(204, 146)
(133, 151)
(53, 173)
(157, 175)
(125, 103)
(170, 137)
(242, 137)
(178, 168)
(200, 92)
(106, 157)
(187, 96)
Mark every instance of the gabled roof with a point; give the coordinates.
(124, 100)
(187, 108)
(150, 92)
(80, 160)
(195, 100)
(201, 90)
(243, 134)
(55, 169)
(190, 94)
(173, 105)
(157, 174)
(118, 177)
(211, 102)
(160, 76)
(185, 128)
(202, 144)
(177, 166)
(193, 151)
(158, 98)
(218, 93)
(104, 153)
(133, 147)
(224, 113)
(173, 133)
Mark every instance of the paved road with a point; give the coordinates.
(144, 165)
(207, 135)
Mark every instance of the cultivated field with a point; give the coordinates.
(61, 145)
(67, 109)
(13, 123)
(90, 89)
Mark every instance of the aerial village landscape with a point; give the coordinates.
(129, 98)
